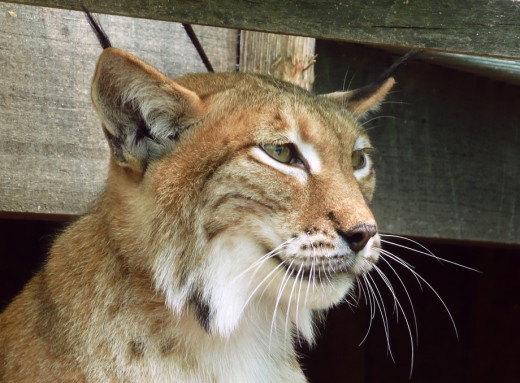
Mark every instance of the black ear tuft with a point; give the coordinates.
(98, 29)
(368, 90)
(412, 55)
(368, 98)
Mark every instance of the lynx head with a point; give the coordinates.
(242, 195)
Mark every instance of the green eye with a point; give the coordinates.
(281, 153)
(359, 159)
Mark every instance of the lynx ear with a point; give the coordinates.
(363, 100)
(369, 98)
(143, 111)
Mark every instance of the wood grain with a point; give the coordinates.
(53, 156)
(485, 27)
(289, 58)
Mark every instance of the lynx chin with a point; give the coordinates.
(234, 214)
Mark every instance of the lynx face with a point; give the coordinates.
(241, 193)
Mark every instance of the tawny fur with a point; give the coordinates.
(157, 282)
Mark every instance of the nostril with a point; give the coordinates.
(358, 236)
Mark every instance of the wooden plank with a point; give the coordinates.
(447, 146)
(53, 156)
(468, 26)
(289, 58)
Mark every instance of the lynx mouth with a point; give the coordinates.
(317, 267)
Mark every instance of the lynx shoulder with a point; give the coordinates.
(235, 212)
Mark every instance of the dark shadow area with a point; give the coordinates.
(24, 245)
(485, 308)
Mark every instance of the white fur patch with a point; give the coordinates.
(308, 155)
(228, 258)
(307, 151)
(370, 251)
(164, 277)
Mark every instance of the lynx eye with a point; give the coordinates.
(283, 153)
(359, 159)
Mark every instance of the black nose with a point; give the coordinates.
(358, 236)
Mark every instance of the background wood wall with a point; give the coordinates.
(447, 160)
(53, 155)
(482, 27)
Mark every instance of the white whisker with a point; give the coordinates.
(390, 288)
(382, 310)
(376, 118)
(406, 265)
(326, 274)
(368, 299)
(393, 257)
(311, 280)
(259, 285)
(279, 294)
(361, 291)
(298, 303)
(263, 258)
(408, 295)
(427, 252)
(290, 297)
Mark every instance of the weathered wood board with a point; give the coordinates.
(447, 146)
(487, 27)
(53, 156)
(289, 58)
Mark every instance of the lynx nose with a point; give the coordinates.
(358, 236)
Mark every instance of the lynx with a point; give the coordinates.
(234, 214)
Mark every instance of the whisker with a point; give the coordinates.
(361, 291)
(409, 240)
(396, 102)
(319, 269)
(290, 297)
(259, 285)
(389, 285)
(344, 101)
(311, 280)
(345, 80)
(409, 298)
(393, 257)
(403, 263)
(326, 274)
(390, 288)
(298, 303)
(263, 258)
(382, 310)
(368, 299)
(279, 294)
(377, 118)
(427, 252)
(350, 300)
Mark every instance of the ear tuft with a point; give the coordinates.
(363, 100)
(143, 111)
(368, 99)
